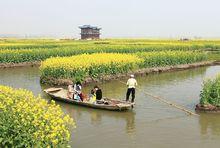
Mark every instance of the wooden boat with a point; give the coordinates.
(60, 94)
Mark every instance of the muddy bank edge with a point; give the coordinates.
(140, 72)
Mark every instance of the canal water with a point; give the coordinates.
(149, 124)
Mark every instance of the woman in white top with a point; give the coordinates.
(78, 91)
(131, 84)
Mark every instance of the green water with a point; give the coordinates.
(149, 124)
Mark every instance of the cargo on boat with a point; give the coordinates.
(60, 94)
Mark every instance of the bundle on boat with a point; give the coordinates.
(210, 96)
(60, 94)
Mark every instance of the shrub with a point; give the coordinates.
(210, 93)
(28, 121)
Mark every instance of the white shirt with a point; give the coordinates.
(77, 89)
(131, 83)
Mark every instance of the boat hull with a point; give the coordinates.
(119, 106)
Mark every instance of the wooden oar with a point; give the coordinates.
(53, 89)
(166, 102)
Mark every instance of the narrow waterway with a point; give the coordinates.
(149, 124)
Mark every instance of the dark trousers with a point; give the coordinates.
(132, 92)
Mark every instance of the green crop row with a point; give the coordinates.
(165, 58)
(38, 50)
(95, 65)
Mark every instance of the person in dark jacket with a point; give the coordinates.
(98, 92)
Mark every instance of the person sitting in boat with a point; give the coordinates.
(92, 97)
(77, 91)
(70, 90)
(98, 93)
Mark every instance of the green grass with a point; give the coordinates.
(210, 93)
(214, 56)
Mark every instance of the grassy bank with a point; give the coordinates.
(102, 64)
(29, 121)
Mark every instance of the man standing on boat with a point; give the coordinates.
(131, 83)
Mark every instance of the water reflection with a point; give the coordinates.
(174, 76)
(96, 116)
(130, 123)
(209, 124)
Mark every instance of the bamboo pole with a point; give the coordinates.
(167, 102)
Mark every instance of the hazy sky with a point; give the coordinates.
(117, 18)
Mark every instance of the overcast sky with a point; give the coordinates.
(117, 18)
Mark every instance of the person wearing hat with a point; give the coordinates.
(131, 84)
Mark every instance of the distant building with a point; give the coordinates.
(89, 32)
(184, 39)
